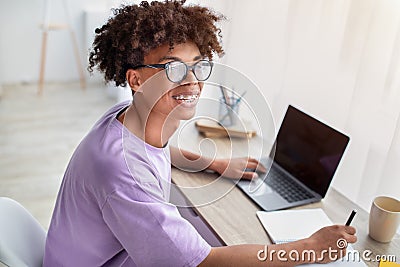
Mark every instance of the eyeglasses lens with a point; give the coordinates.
(202, 70)
(177, 71)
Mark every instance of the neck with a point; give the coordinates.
(152, 127)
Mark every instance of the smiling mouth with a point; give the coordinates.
(186, 98)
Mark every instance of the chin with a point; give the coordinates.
(184, 113)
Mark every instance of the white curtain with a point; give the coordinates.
(336, 59)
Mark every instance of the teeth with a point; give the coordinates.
(186, 98)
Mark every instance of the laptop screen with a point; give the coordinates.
(309, 149)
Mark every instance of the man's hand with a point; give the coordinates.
(332, 238)
(231, 168)
(237, 167)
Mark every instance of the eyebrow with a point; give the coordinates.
(177, 58)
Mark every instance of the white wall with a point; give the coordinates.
(21, 37)
(337, 60)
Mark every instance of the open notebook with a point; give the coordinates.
(290, 225)
(285, 226)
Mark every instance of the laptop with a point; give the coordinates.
(307, 154)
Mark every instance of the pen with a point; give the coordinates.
(229, 113)
(353, 213)
(224, 94)
(239, 99)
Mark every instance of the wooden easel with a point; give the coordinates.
(46, 27)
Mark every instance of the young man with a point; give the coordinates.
(112, 208)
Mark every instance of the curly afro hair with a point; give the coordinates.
(135, 30)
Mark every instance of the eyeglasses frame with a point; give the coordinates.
(165, 66)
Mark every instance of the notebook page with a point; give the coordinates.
(290, 225)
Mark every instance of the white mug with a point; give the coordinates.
(384, 218)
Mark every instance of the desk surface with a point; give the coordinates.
(232, 215)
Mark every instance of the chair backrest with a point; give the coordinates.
(22, 238)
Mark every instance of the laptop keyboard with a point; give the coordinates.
(286, 188)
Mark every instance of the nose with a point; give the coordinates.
(190, 77)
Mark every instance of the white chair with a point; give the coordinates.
(22, 238)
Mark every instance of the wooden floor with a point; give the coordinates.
(37, 137)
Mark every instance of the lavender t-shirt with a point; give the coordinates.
(112, 207)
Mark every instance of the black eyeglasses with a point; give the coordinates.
(177, 71)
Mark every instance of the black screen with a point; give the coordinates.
(309, 149)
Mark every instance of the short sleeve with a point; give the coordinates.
(153, 232)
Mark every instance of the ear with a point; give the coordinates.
(133, 79)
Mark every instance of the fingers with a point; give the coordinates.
(252, 160)
(254, 164)
(338, 233)
(350, 230)
(249, 175)
(251, 165)
(348, 233)
(249, 170)
(343, 228)
(261, 168)
(351, 238)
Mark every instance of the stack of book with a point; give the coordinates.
(210, 128)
